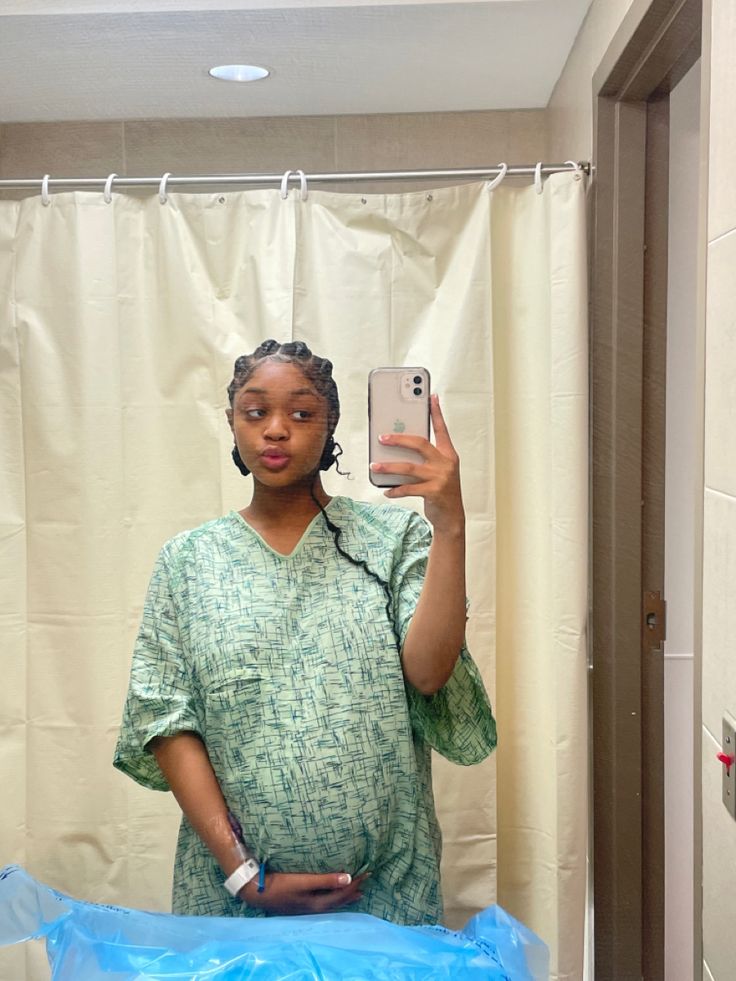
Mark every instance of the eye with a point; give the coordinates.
(301, 415)
(254, 413)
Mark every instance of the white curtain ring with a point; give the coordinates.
(285, 184)
(45, 197)
(162, 195)
(303, 193)
(538, 178)
(578, 175)
(492, 185)
(108, 188)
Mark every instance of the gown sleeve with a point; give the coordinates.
(457, 721)
(160, 700)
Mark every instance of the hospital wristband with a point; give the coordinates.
(241, 876)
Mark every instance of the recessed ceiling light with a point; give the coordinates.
(239, 73)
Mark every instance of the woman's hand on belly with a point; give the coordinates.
(288, 893)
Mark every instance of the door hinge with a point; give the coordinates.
(654, 621)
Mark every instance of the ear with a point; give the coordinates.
(229, 415)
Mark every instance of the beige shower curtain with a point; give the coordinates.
(120, 322)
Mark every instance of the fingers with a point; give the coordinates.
(439, 426)
(330, 880)
(336, 898)
(302, 887)
(408, 442)
(407, 490)
(414, 488)
(442, 447)
(403, 468)
(442, 469)
(296, 893)
(430, 478)
(333, 885)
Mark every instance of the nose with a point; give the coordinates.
(276, 426)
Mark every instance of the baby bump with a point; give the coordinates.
(315, 790)
(301, 822)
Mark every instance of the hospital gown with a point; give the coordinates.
(288, 667)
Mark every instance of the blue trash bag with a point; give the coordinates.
(89, 942)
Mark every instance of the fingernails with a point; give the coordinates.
(384, 438)
(344, 879)
(375, 466)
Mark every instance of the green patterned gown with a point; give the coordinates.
(287, 666)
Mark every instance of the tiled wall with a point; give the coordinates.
(719, 533)
(273, 144)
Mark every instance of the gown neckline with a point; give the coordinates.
(299, 545)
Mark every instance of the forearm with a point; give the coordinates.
(184, 762)
(437, 629)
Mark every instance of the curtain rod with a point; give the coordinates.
(214, 180)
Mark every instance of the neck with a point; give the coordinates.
(293, 504)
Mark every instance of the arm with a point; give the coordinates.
(435, 637)
(186, 766)
(184, 762)
(437, 629)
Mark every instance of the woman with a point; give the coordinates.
(296, 662)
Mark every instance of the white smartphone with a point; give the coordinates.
(398, 402)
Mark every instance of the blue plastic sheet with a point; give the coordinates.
(88, 942)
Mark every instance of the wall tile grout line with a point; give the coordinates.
(719, 238)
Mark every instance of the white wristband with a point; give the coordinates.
(242, 876)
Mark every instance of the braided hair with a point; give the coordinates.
(318, 371)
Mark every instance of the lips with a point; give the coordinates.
(274, 459)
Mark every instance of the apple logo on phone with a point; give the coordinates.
(399, 426)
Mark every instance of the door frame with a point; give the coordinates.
(655, 46)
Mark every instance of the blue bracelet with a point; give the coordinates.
(262, 878)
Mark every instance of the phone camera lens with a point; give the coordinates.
(417, 391)
(417, 380)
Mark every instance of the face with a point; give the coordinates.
(279, 422)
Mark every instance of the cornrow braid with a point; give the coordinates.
(360, 563)
(317, 370)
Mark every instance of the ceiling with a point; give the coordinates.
(132, 59)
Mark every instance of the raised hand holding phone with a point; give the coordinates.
(436, 631)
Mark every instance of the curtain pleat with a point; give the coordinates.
(119, 326)
(540, 375)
